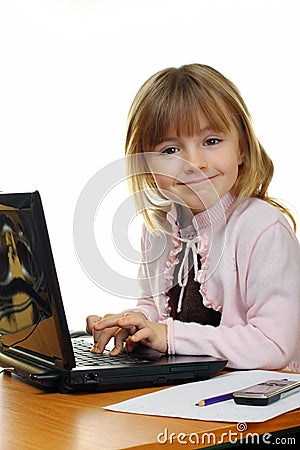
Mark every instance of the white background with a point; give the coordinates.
(69, 71)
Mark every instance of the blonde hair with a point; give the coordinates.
(177, 98)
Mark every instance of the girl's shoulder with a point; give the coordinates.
(254, 205)
(258, 214)
(257, 224)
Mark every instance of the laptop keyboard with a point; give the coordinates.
(84, 357)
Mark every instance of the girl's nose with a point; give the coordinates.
(194, 160)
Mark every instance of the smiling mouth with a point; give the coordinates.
(197, 181)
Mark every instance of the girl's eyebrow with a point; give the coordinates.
(175, 138)
(167, 139)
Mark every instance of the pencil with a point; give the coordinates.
(213, 400)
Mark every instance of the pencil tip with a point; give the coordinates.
(201, 403)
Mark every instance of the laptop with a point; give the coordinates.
(35, 341)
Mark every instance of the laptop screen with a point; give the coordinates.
(29, 290)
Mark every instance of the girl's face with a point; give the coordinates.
(196, 171)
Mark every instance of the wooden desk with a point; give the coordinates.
(32, 419)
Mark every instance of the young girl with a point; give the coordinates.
(220, 270)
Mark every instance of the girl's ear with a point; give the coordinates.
(241, 157)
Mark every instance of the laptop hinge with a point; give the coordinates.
(35, 359)
(59, 363)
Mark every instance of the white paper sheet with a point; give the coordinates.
(179, 401)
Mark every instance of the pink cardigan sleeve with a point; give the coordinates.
(266, 333)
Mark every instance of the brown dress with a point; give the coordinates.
(192, 309)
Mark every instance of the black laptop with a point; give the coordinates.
(35, 341)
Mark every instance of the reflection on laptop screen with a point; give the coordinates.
(23, 296)
(27, 293)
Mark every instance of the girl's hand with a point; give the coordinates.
(143, 331)
(102, 329)
(132, 328)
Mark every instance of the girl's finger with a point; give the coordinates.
(130, 346)
(90, 320)
(120, 337)
(143, 335)
(132, 321)
(106, 322)
(102, 338)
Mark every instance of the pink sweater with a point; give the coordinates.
(250, 261)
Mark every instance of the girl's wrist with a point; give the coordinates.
(170, 336)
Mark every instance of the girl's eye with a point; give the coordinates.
(170, 150)
(212, 141)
